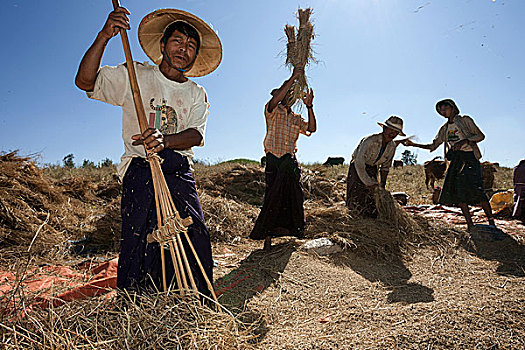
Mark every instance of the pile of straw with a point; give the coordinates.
(299, 51)
(148, 322)
(227, 219)
(318, 187)
(243, 183)
(72, 207)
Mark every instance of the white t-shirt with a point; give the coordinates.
(170, 106)
(454, 135)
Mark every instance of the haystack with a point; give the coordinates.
(69, 207)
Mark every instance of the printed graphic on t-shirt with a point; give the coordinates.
(452, 136)
(164, 118)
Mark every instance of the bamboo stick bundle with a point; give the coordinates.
(171, 228)
(299, 51)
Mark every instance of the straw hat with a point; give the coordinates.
(447, 101)
(394, 122)
(152, 27)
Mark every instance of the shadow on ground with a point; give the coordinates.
(255, 273)
(502, 248)
(391, 272)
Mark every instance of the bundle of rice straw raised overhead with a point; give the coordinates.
(391, 212)
(299, 51)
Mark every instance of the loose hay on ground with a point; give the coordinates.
(149, 322)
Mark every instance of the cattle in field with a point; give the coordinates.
(398, 163)
(434, 170)
(331, 161)
(487, 171)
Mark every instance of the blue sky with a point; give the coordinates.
(377, 58)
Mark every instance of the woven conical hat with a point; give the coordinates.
(152, 27)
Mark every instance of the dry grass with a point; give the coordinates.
(146, 322)
(349, 302)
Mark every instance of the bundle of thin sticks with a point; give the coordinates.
(171, 228)
(299, 51)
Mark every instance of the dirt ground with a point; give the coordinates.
(432, 300)
(441, 288)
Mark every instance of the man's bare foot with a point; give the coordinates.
(268, 243)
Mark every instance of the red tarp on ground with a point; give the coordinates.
(41, 284)
(454, 216)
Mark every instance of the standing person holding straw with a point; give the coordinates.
(463, 184)
(282, 213)
(181, 45)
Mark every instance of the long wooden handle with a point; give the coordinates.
(137, 99)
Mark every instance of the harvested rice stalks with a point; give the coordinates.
(299, 51)
(159, 321)
(390, 211)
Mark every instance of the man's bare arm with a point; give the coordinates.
(88, 68)
(410, 143)
(308, 100)
(155, 141)
(281, 92)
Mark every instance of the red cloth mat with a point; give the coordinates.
(55, 285)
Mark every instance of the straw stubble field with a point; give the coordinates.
(431, 286)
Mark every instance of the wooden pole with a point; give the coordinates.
(137, 99)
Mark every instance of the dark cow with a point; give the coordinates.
(434, 170)
(263, 161)
(487, 171)
(331, 161)
(398, 163)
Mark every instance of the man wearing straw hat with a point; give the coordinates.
(181, 45)
(374, 153)
(282, 213)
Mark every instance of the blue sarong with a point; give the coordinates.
(139, 267)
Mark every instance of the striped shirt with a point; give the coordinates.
(282, 131)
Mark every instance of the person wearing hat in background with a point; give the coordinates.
(374, 152)
(463, 184)
(282, 213)
(181, 45)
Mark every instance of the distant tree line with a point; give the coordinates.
(409, 158)
(68, 162)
